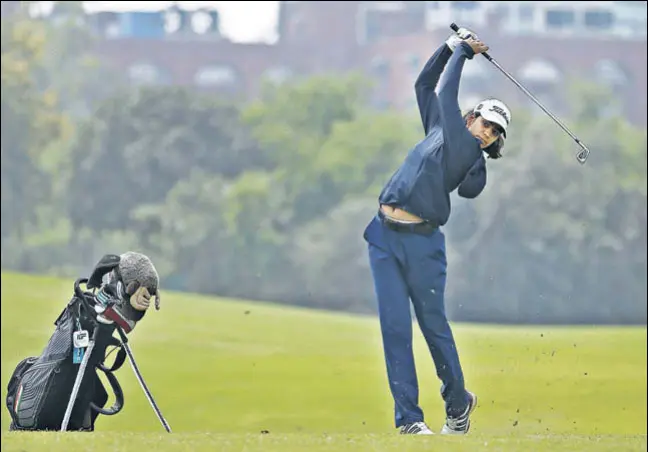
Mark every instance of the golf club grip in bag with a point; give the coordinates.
(39, 389)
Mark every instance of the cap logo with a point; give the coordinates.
(497, 109)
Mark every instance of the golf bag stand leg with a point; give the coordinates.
(148, 394)
(78, 380)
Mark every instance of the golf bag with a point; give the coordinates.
(39, 389)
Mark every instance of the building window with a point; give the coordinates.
(202, 22)
(540, 71)
(465, 6)
(373, 27)
(215, 75)
(502, 11)
(599, 19)
(278, 74)
(145, 73)
(609, 73)
(560, 19)
(526, 13)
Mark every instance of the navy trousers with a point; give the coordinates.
(411, 266)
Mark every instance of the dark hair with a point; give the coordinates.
(494, 151)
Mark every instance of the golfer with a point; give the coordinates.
(405, 242)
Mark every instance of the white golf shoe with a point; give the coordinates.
(416, 428)
(461, 424)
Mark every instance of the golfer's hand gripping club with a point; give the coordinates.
(584, 153)
(455, 28)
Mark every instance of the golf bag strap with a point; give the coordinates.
(74, 301)
(112, 380)
(119, 361)
(117, 390)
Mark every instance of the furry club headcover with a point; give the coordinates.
(136, 267)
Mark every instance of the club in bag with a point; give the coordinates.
(584, 153)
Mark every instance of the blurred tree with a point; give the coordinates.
(324, 141)
(556, 241)
(269, 200)
(141, 142)
(69, 64)
(32, 126)
(207, 244)
(48, 81)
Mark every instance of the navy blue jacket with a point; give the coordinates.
(449, 157)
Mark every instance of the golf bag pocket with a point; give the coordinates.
(38, 397)
(14, 389)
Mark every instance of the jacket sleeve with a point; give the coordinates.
(475, 180)
(449, 89)
(461, 146)
(426, 84)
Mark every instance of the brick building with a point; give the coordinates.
(390, 41)
(544, 65)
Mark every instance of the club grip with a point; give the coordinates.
(455, 28)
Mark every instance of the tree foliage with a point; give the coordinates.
(269, 200)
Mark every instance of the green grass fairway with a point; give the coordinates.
(223, 372)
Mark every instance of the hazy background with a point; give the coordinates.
(244, 147)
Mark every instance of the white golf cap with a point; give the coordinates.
(496, 111)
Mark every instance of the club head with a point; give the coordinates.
(582, 155)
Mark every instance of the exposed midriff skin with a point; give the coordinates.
(399, 214)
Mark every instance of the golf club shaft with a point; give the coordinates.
(584, 153)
